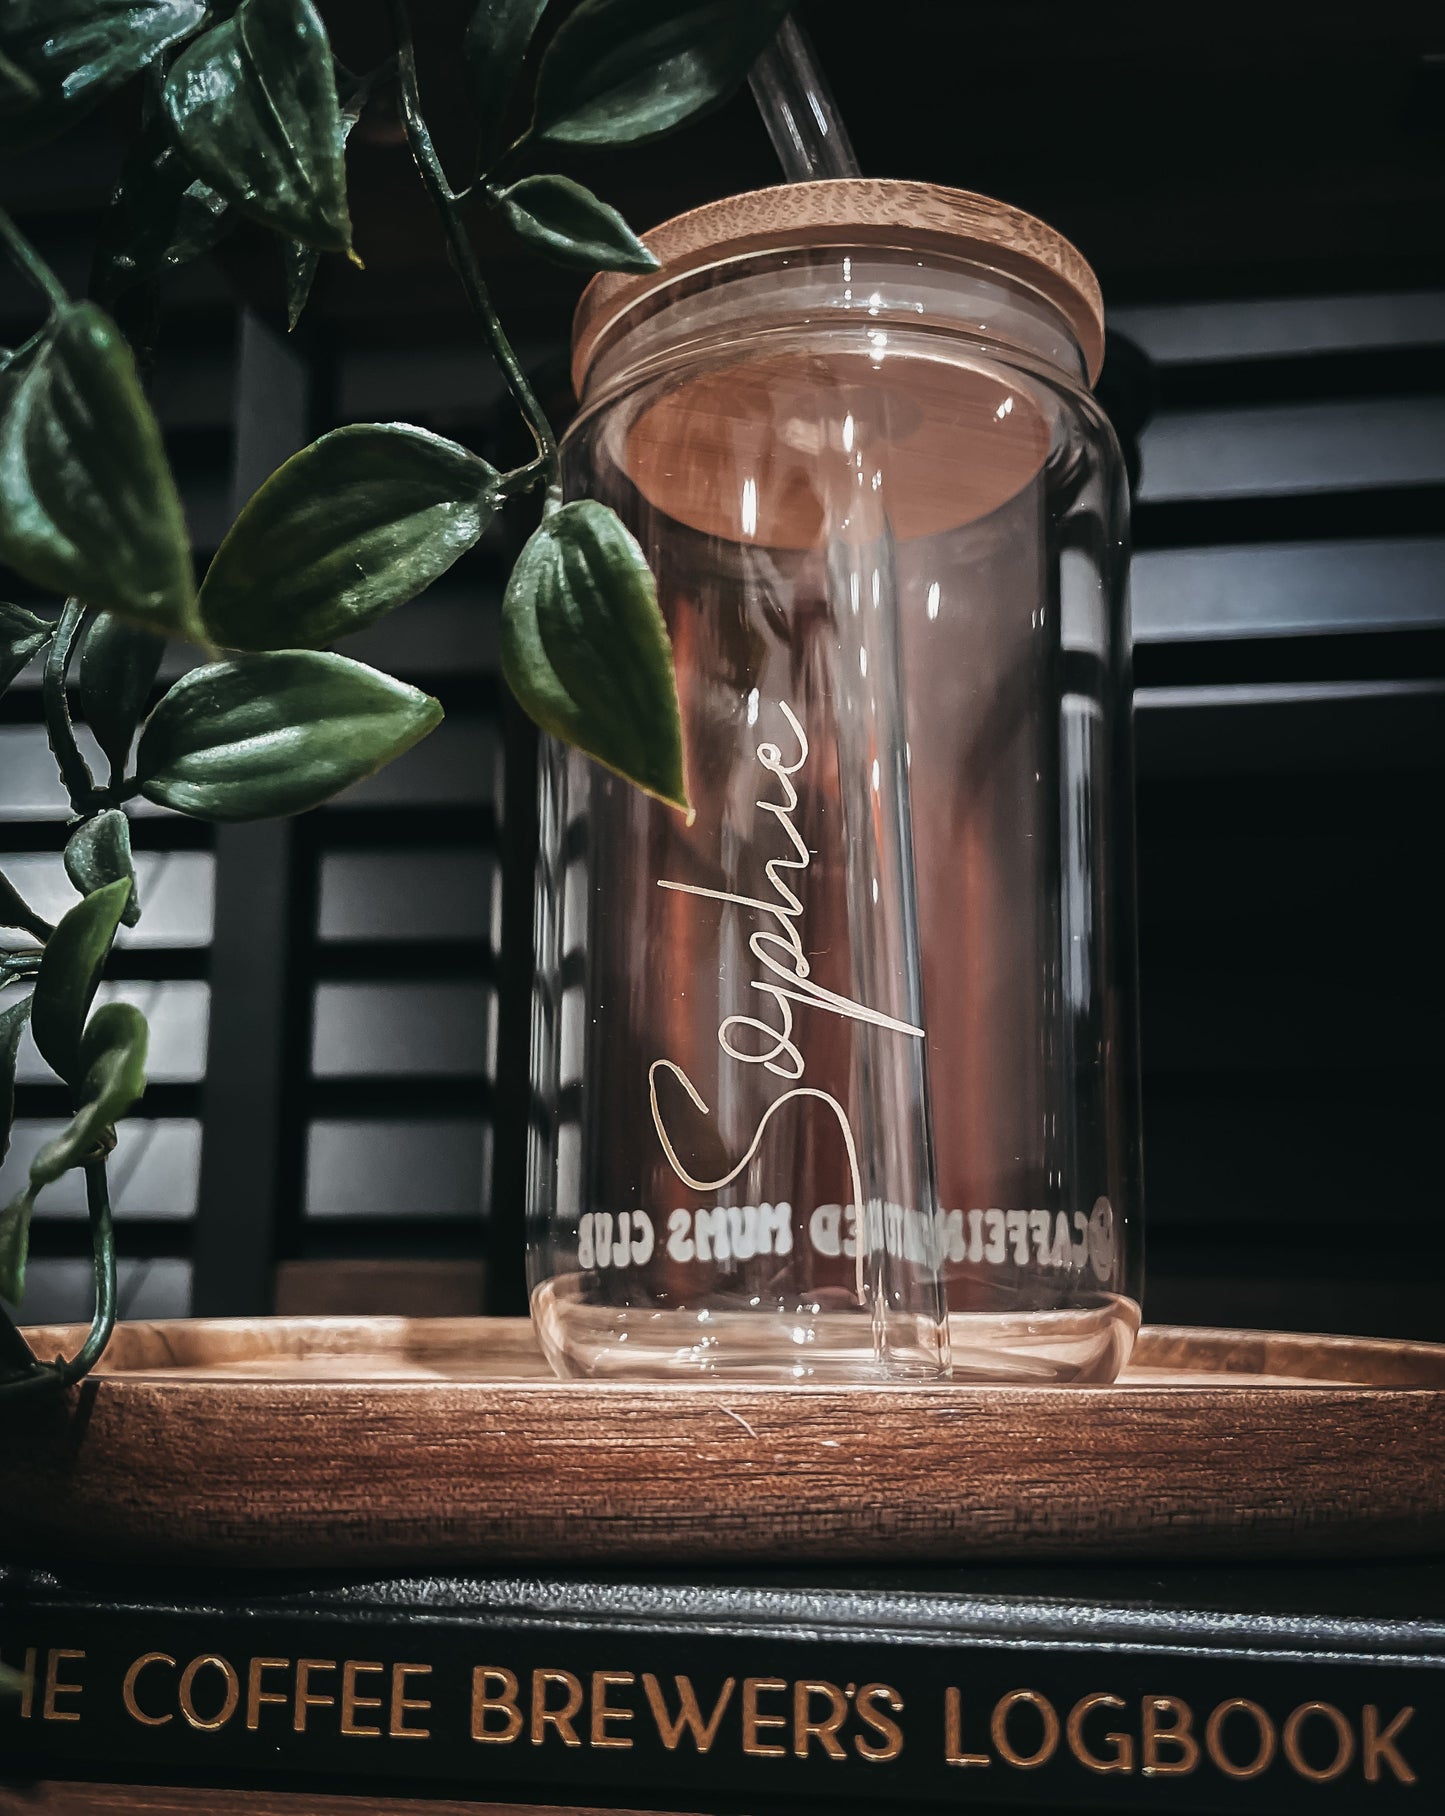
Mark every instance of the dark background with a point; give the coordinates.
(1261, 189)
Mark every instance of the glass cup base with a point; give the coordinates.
(585, 1341)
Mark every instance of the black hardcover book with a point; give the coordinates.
(1218, 1689)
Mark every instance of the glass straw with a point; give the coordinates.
(907, 1299)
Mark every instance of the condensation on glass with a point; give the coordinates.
(839, 1080)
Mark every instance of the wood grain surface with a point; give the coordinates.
(55, 1799)
(381, 1441)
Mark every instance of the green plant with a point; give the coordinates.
(245, 113)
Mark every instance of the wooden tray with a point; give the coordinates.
(331, 1441)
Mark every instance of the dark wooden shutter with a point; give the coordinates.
(1289, 594)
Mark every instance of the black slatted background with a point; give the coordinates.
(353, 988)
(1289, 588)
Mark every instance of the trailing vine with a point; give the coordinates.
(245, 115)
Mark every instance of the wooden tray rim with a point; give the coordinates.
(1260, 1360)
(320, 1469)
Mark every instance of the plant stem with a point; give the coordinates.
(503, 162)
(102, 1252)
(525, 479)
(463, 257)
(49, 1377)
(74, 771)
(30, 262)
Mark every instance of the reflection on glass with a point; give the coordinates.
(838, 1081)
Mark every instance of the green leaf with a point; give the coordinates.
(70, 975)
(72, 53)
(87, 503)
(275, 734)
(300, 262)
(118, 667)
(12, 1026)
(496, 43)
(110, 1079)
(567, 222)
(98, 853)
(253, 107)
(621, 71)
(299, 265)
(357, 523)
(160, 217)
(22, 637)
(585, 649)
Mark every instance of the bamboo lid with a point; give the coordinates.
(852, 211)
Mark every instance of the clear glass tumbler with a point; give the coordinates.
(839, 1080)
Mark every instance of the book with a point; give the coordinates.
(1220, 1688)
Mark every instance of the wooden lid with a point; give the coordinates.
(853, 211)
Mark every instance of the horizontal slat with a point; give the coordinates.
(1325, 727)
(453, 629)
(156, 832)
(143, 1238)
(177, 1012)
(401, 1030)
(405, 961)
(1309, 379)
(32, 788)
(1291, 589)
(389, 894)
(364, 1170)
(418, 1094)
(1375, 511)
(458, 765)
(449, 1288)
(201, 463)
(60, 1290)
(1185, 333)
(177, 894)
(1293, 448)
(1354, 658)
(407, 828)
(392, 1238)
(153, 1170)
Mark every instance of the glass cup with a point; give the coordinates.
(838, 1081)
